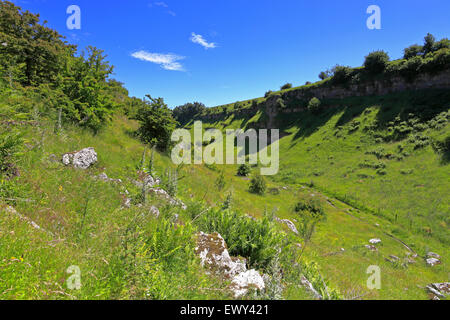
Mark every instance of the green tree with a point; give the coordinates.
(314, 105)
(376, 62)
(244, 170)
(258, 185)
(286, 86)
(429, 43)
(156, 122)
(412, 51)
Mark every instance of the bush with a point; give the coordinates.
(156, 123)
(258, 185)
(314, 105)
(244, 170)
(286, 86)
(268, 93)
(10, 145)
(376, 62)
(324, 75)
(341, 74)
(429, 43)
(411, 68)
(310, 213)
(255, 239)
(412, 51)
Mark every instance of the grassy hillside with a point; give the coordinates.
(86, 224)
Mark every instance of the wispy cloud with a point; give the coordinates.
(161, 4)
(167, 61)
(197, 38)
(164, 5)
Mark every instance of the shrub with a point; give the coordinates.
(341, 74)
(258, 185)
(411, 68)
(10, 145)
(376, 62)
(220, 182)
(286, 86)
(244, 170)
(429, 43)
(156, 122)
(324, 75)
(314, 105)
(255, 239)
(412, 51)
(268, 93)
(310, 213)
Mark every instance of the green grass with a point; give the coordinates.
(89, 226)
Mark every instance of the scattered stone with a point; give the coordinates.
(433, 262)
(289, 224)
(81, 159)
(163, 194)
(439, 290)
(371, 247)
(154, 211)
(104, 177)
(214, 255)
(245, 281)
(433, 255)
(13, 211)
(146, 180)
(375, 241)
(308, 285)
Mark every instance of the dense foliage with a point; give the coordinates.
(185, 113)
(156, 122)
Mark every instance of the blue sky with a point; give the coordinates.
(221, 51)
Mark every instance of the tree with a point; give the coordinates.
(33, 51)
(376, 62)
(156, 122)
(341, 74)
(314, 105)
(324, 75)
(429, 43)
(258, 185)
(286, 86)
(412, 51)
(243, 170)
(187, 112)
(85, 83)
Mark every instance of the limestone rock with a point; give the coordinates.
(375, 241)
(433, 262)
(289, 224)
(154, 211)
(82, 159)
(214, 255)
(245, 281)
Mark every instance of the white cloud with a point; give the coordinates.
(196, 38)
(161, 4)
(166, 61)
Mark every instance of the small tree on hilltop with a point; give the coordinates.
(376, 62)
(412, 51)
(286, 86)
